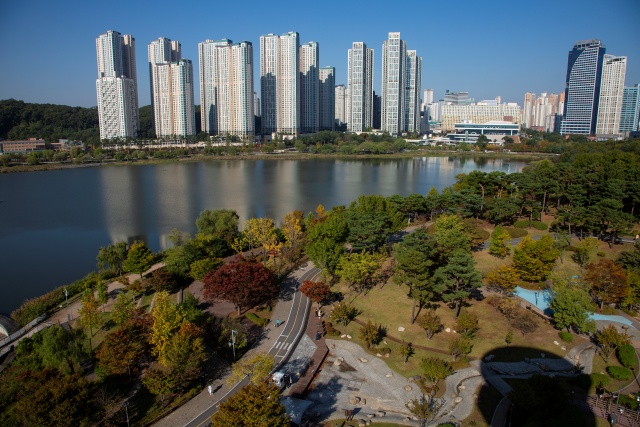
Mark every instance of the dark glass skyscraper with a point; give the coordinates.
(582, 90)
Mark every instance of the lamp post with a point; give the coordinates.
(536, 294)
(126, 410)
(233, 343)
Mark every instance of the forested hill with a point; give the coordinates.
(21, 120)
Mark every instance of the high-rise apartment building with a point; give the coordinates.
(412, 96)
(394, 51)
(630, 111)
(116, 86)
(360, 88)
(309, 87)
(327, 98)
(539, 112)
(582, 90)
(341, 106)
(280, 83)
(171, 80)
(256, 105)
(611, 91)
(226, 88)
(427, 98)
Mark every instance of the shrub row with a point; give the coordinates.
(256, 319)
(516, 232)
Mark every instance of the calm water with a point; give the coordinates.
(52, 223)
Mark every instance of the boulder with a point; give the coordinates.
(400, 328)
(380, 414)
(363, 360)
(332, 346)
(343, 336)
(556, 343)
(378, 355)
(370, 415)
(462, 387)
(348, 337)
(414, 378)
(362, 422)
(389, 375)
(447, 330)
(337, 362)
(408, 388)
(457, 399)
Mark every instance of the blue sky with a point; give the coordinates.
(487, 48)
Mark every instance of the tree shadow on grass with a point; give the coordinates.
(539, 390)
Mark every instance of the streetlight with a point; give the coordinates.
(126, 410)
(233, 343)
(536, 294)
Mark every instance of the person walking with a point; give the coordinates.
(277, 323)
(210, 388)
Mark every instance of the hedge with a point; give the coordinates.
(256, 319)
(566, 336)
(627, 355)
(600, 379)
(516, 232)
(619, 373)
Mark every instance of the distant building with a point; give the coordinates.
(327, 98)
(611, 92)
(412, 96)
(478, 113)
(630, 111)
(457, 98)
(539, 112)
(309, 87)
(377, 111)
(394, 53)
(341, 106)
(360, 88)
(582, 90)
(495, 131)
(256, 105)
(22, 146)
(427, 98)
(116, 86)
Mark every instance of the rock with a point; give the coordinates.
(337, 362)
(462, 387)
(349, 337)
(556, 343)
(385, 342)
(457, 399)
(341, 359)
(406, 420)
(332, 346)
(563, 348)
(343, 336)
(368, 422)
(378, 354)
(415, 378)
(448, 330)
(364, 401)
(380, 414)
(362, 422)
(354, 400)
(389, 375)
(408, 388)
(370, 415)
(363, 360)
(453, 395)
(454, 331)
(387, 355)
(400, 329)
(414, 418)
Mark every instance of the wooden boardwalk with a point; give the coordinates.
(300, 388)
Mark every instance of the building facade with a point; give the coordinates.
(539, 112)
(116, 86)
(341, 106)
(630, 111)
(412, 96)
(480, 112)
(226, 88)
(582, 88)
(360, 88)
(309, 87)
(611, 91)
(394, 51)
(327, 98)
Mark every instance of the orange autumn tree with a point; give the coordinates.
(607, 282)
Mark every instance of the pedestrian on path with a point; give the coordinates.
(210, 390)
(277, 323)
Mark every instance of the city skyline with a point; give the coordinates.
(451, 55)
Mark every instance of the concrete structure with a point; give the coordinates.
(340, 105)
(630, 111)
(360, 82)
(116, 86)
(457, 98)
(309, 87)
(582, 89)
(479, 113)
(22, 146)
(495, 131)
(394, 52)
(226, 88)
(611, 91)
(280, 83)
(327, 98)
(412, 96)
(171, 80)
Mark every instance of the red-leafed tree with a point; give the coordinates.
(244, 282)
(608, 282)
(315, 291)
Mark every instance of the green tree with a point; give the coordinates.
(112, 256)
(503, 279)
(122, 309)
(167, 318)
(325, 240)
(255, 405)
(406, 351)
(359, 269)
(257, 367)
(221, 224)
(457, 279)
(609, 340)
(90, 313)
(184, 354)
(435, 369)
(139, 258)
(430, 322)
(371, 333)
(198, 269)
(460, 346)
(103, 294)
(467, 323)
(533, 260)
(343, 313)
(571, 306)
(424, 409)
(159, 381)
(450, 235)
(498, 245)
(585, 250)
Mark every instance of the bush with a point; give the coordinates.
(385, 350)
(600, 379)
(256, 319)
(516, 232)
(571, 248)
(600, 254)
(329, 329)
(630, 311)
(619, 373)
(628, 400)
(566, 336)
(627, 356)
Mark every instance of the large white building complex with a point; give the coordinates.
(280, 83)
(116, 86)
(480, 112)
(611, 91)
(327, 98)
(630, 112)
(540, 112)
(171, 80)
(226, 88)
(310, 87)
(359, 100)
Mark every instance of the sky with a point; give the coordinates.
(487, 48)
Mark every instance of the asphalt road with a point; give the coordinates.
(292, 330)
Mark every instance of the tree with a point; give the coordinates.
(315, 291)
(198, 269)
(139, 258)
(257, 367)
(424, 409)
(450, 235)
(571, 306)
(608, 282)
(524, 321)
(293, 228)
(435, 369)
(112, 256)
(609, 340)
(371, 333)
(343, 313)
(430, 322)
(184, 354)
(457, 279)
(167, 318)
(631, 259)
(123, 348)
(255, 405)
(90, 313)
(508, 338)
(257, 231)
(585, 250)
(220, 224)
(244, 282)
(406, 351)
(503, 279)
(159, 381)
(467, 323)
(498, 245)
(103, 294)
(533, 260)
(122, 309)
(359, 269)
(325, 240)
(52, 348)
(460, 346)
(163, 280)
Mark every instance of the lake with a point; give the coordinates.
(52, 223)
